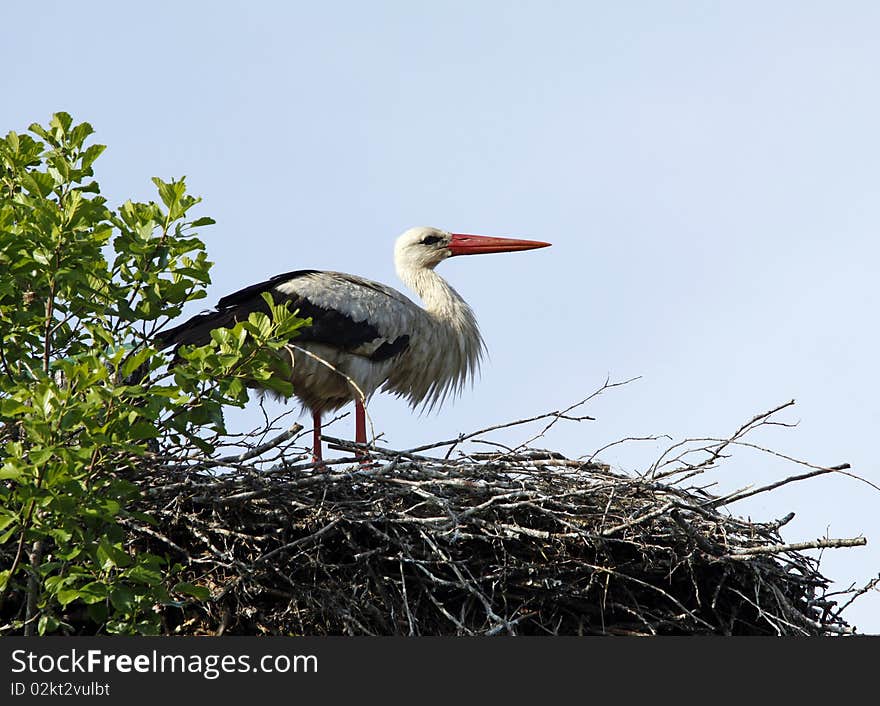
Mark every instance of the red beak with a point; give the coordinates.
(462, 244)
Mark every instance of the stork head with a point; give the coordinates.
(424, 247)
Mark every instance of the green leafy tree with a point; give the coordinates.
(85, 396)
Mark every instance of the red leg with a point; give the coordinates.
(360, 429)
(316, 448)
(360, 422)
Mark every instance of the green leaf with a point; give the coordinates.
(60, 122)
(79, 134)
(203, 445)
(276, 384)
(148, 627)
(67, 595)
(38, 183)
(93, 592)
(202, 593)
(123, 599)
(91, 153)
(142, 430)
(11, 470)
(69, 552)
(7, 518)
(37, 129)
(144, 574)
(47, 624)
(12, 408)
(13, 141)
(60, 535)
(111, 555)
(38, 457)
(261, 322)
(203, 221)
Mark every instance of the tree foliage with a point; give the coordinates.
(84, 393)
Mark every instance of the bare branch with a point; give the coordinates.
(797, 547)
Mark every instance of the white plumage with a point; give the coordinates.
(365, 336)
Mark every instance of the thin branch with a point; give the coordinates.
(778, 484)
(748, 552)
(259, 450)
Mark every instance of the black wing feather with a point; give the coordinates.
(328, 326)
(242, 296)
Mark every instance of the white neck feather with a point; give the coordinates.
(448, 348)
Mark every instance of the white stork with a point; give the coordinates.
(365, 335)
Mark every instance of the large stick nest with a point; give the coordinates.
(519, 542)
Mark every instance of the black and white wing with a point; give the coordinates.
(349, 313)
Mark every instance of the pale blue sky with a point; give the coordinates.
(707, 172)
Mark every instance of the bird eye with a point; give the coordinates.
(431, 240)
